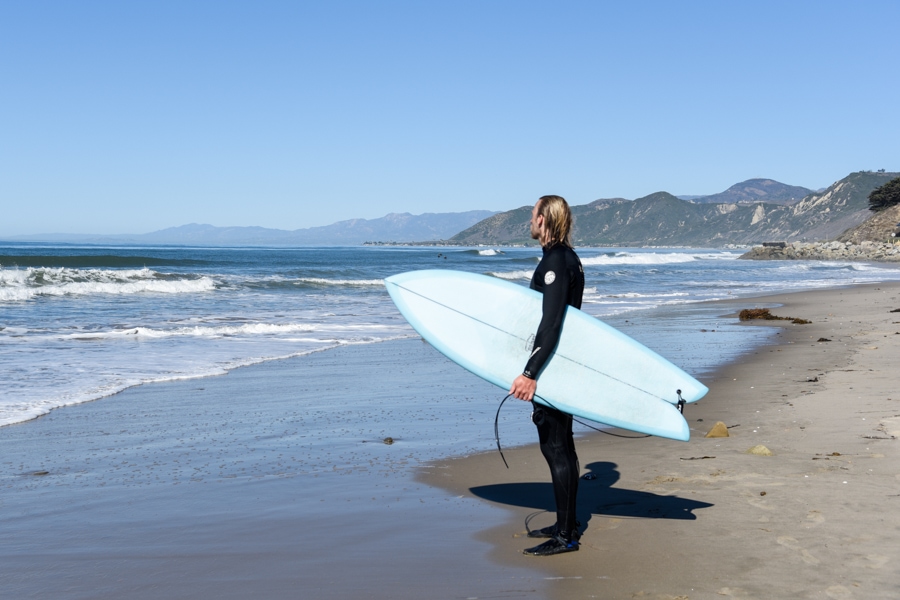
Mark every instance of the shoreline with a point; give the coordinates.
(161, 492)
(705, 519)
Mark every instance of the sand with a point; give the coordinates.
(202, 488)
(819, 518)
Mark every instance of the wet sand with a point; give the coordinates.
(819, 518)
(203, 488)
(272, 481)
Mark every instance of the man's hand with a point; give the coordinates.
(523, 388)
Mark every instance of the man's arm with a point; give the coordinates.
(556, 289)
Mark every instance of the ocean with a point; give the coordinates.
(78, 323)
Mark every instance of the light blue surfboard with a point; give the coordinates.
(487, 326)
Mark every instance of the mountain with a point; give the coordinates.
(755, 190)
(394, 227)
(879, 227)
(825, 215)
(662, 219)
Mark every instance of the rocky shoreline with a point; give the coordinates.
(864, 251)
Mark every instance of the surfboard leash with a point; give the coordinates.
(579, 421)
(497, 429)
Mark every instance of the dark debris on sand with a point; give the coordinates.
(748, 314)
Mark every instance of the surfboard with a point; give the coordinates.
(487, 326)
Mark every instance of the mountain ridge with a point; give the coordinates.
(756, 190)
(396, 227)
(661, 219)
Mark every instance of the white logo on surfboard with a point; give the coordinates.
(549, 277)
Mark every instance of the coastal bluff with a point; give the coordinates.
(863, 251)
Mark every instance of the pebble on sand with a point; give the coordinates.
(760, 451)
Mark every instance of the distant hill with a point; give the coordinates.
(394, 227)
(661, 219)
(877, 228)
(755, 190)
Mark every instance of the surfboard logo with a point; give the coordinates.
(549, 277)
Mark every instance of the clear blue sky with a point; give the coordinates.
(127, 117)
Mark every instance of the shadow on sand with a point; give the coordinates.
(595, 497)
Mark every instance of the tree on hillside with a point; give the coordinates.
(885, 196)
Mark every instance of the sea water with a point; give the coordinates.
(78, 323)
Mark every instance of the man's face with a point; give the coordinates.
(537, 222)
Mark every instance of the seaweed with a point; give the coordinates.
(749, 314)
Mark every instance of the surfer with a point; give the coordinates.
(560, 278)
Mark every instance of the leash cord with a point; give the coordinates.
(550, 404)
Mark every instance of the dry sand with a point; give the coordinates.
(819, 518)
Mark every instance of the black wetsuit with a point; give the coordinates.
(560, 278)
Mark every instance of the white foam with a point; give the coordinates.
(86, 390)
(513, 275)
(247, 330)
(323, 281)
(654, 258)
(18, 285)
(637, 295)
(489, 252)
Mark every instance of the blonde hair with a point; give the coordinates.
(557, 219)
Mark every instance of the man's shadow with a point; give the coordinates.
(596, 496)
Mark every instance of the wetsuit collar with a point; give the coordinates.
(547, 249)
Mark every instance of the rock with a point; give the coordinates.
(388, 440)
(719, 430)
(865, 250)
(760, 451)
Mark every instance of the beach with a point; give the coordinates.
(819, 518)
(202, 489)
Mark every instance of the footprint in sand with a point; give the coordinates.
(870, 561)
(733, 592)
(605, 524)
(793, 544)
(758, 502)
(815, 517)
(839, 592)
(891, 426)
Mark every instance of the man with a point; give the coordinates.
(560, 278)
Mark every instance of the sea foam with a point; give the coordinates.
(25, 284)
(652, 258)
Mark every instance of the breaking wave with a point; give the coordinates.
(652, 258)
(18, 285)
(513, 275)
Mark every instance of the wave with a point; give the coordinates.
(19, 412)
(324, 281)
(482, 252)
(632, 295)
(218, 331)
(195, 331)
(821, 265)
(513, 275)
(25, 284)
(85, 261)
(654, 258)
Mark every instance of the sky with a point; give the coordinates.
(129, 117)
